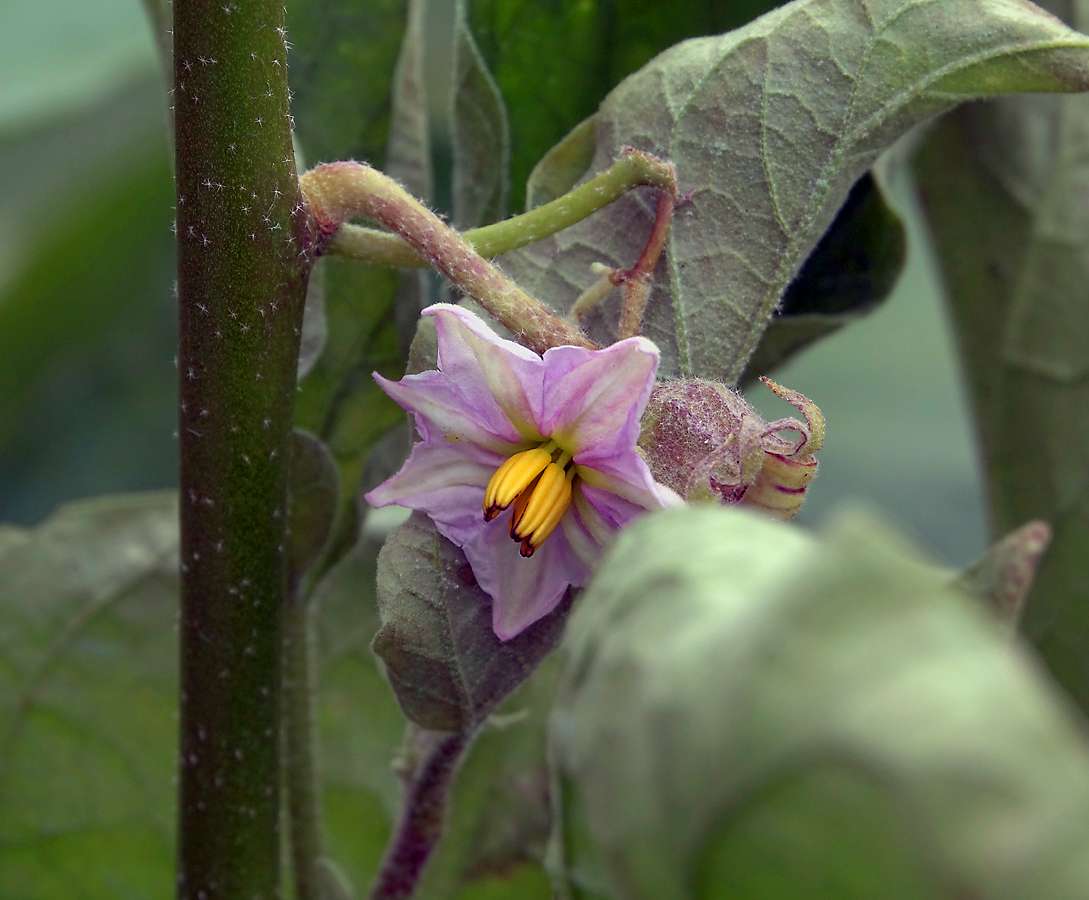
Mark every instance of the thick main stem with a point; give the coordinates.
(243, 262)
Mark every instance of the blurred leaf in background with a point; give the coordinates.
(87, 320)
(747, 711)
(555, 62)
(899, 433)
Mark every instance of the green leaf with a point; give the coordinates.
(555, 61)
(443, 659)
(851, 271)
(747, 711)
(561, 167)
(88, 699)
(342, 61)
(480, 135)
(1001, 185)
(769, 126)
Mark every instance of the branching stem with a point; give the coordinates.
(338, 191)
(634, 168)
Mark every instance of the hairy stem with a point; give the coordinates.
(422, 812)
(340, 190)
(634, 168)
(243, 263)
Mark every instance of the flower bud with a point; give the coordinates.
(707, 443)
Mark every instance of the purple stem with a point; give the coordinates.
(422, 813)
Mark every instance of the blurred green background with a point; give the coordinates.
(87, 320)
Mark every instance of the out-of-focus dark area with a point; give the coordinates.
(87, 396)
(87, 321)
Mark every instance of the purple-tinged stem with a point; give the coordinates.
(423, 809)
(636, 280)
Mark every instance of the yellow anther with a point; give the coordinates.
(536, 518)
(513, 477)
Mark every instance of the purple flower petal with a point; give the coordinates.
(444, 481)
(491, 398)
(443, 413)
(522, 590)
(594, 399)
(491, 373)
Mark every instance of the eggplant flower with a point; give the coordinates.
(541, 450)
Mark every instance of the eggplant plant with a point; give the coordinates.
(553, 632)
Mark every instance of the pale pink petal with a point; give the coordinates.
(443, 482)
(489, 371)
(522, 590)
(595, 398)
(586, 529)
(627, 476)
(442, 413)
(615, 510)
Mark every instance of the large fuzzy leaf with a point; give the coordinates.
(750, 712)
(769, 127)
(88, 700)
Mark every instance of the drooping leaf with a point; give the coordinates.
(314, 495)
(1004, 185)
(342, 65)
(339, 400)
(479, 135)
(769, 126)
(445, 663)
(449, 143)
(498, 815)
(315, 324)
(750, 712)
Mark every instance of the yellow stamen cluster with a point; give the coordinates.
(540, 489)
